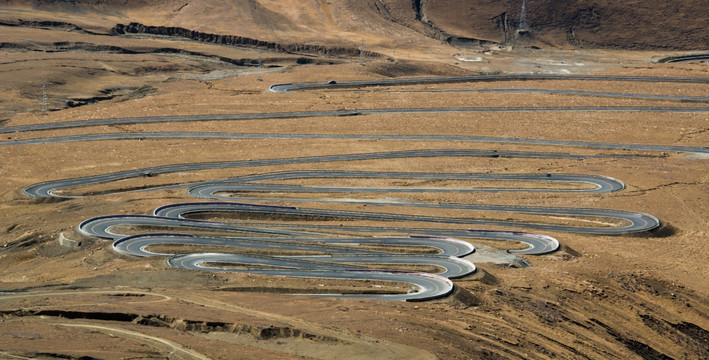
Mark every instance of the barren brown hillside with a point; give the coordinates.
(651, 24)
(580, 24)
(239, 179)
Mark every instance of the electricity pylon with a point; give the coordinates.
(523, 17)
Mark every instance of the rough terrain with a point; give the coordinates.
(63, 295)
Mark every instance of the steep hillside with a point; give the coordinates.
(553, 23)
(604, 23)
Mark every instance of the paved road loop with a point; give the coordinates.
(350, 251)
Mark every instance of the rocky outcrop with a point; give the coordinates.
(47, 24)
(164, 321)
(235, 40)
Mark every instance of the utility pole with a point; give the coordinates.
(44, 98)
(259, 66)
(361, 53)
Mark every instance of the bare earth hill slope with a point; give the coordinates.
(240, 179)
(651, 24)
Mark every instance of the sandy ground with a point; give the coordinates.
(639, 296)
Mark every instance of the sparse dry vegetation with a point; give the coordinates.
(598, 297)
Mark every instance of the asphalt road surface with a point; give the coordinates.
(477, 78)
(314, 247)
(283, 88)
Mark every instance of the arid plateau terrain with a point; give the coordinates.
(354, 179)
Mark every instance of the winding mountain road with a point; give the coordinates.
(312, 246)
(283, 88)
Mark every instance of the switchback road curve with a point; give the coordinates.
(634, 222)
(306, 237)
(332, 85)
(347, 251)
(49, 188)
